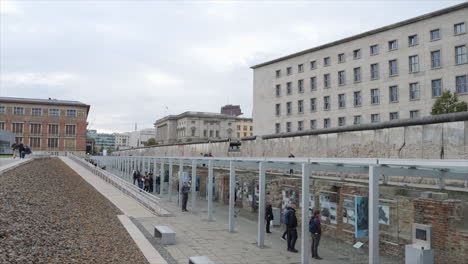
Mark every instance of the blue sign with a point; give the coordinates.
(361, 224)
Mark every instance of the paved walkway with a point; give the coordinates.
(9, 163)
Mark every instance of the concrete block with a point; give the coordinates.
(200, 260)
(426, 195)
(166, 234)
(440, 196)
(454, 140)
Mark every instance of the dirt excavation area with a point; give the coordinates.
(49, 214)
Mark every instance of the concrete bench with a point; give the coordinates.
(166, 234)
(200, 260)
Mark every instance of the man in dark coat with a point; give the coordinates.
(292, 228)
(268, 216)
(315, 230)
(185, 192)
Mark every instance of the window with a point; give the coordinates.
(71, 113)
(341, 101)
(414, 91)
(278, 73)
(326, 123)
(288, 127)
(288, 88)
(288, 108)
(435, 34)
(277, 109)
(2, 110)
(245, 127)
(357, 98)
(357, 120)
(459, 28)
(238, 127)
(313, 124)
(375, 118)
(341, 78)
(300, 68)
(53, 129)
(278, 90)
(393, 116)
(18, 110)
(414, 64)
(460, 54)
(205, 133)
(326, 103)
(54, 112)
(414, 114)
(393, 45)
(357, 74)
(211, 133)
(357, 54)
(300, 86)
(393, 94)
(238, 134)
(70, 130)
(35, 129)
(435, 59)
(374, 50)
(393, 67)
(251, 128)
(326, 61)
(300, 106)
(326, 80)
(52, 142)
(341, 58)
(18, 140)
(288, 70)
(374, 71)
(460, 83)
(413, 40)
(277, 128)
(300, 125)
(193, 132)
(17, 127)
(217, 134)
(313, 104)
(313, 83)
(375, 96)
(36, 112)
(341, 121)
(313, 65)
(436, 87)
(2, 125)
(35, 142)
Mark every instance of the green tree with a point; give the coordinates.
(188, 140)
(448, 103)
(151, 142)
(179, 141)
(101, 149)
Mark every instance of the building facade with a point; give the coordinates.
(394, 72)
(122, 140)
(233, 110)
(46, 125)
(196, 126)
(244, 128)
(102, 141)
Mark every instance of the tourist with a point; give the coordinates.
(151, 182)
(285, 222)
(291, 156)
(141, 181)
(292, 231)
(135, 176)
(146, 182)
(158, 183)
(268, 216)
(185, 192)
(21, 150)
(315, 230)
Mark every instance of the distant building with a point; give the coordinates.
(196, 126)
(102, 141)
(7, 139)
(134, 139)
(244, 128)
(233, 110)
(122, 140)
(46, 125)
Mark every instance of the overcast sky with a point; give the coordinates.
(137, 61)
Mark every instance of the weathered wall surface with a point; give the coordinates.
(431, 141)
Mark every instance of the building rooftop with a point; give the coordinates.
(49, 101)
(201, 115)
(368, 33)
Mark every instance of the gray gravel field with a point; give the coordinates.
(49, 214)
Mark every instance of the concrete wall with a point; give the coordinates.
(428, 141)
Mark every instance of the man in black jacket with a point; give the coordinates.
(268, 216)
(292, 231)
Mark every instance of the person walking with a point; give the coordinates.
(292, 228)
(285, 222)
(315, 230)
(185, 192)
(135, 176)
(158, 183)
(151, 182)
(146, 182)
(141, 181)
(21, 150)
(268, 216)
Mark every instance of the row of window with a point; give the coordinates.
(18, 110)
(460, 58)
(245, 128)
(413, 40)
(36, 129)
(35, 142)
(357, 119)
(414, 94)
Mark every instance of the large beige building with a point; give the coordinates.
(393, 72)
(196, 126)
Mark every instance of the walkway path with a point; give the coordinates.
(9, 163)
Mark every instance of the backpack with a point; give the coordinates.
(285, 217)
(313, 228)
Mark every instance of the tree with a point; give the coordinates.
(188, 140)
(101, 149)
(448, 103)
(151, 142)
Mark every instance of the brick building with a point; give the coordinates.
(46, 125)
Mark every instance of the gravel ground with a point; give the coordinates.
(49, 214)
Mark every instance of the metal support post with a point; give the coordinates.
(305, 249)
(232, 184)
(194, 186)
(261, 205)
(161, 186)
(155, 167)
(373, 215)
(169, 189)
(181, 183)
(210, 190)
